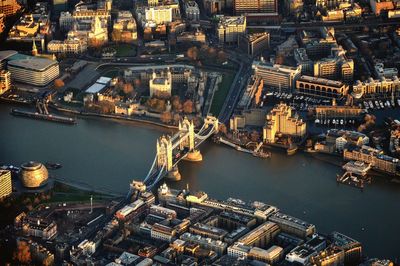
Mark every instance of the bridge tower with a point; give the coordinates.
(186, 130)
(164, 153)
(212, 121)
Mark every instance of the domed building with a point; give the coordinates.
(33, 175)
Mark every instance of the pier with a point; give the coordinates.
(356, 174)
(47, 117)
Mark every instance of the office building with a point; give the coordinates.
(254, 44)
(230, 28)
(300, 255)
(277, 76)
(215, 245)
(5, 81)
(9, 7)
(321, 87)
(162, 232)
(281, 120)
(5, 183)
(328, 257)
(335, 68)
(302, 59)
(124, 28)
(270, 256)
(329, 4)
(292, 225)
(34, 71)
(261, 236)
(159, 14)
(336, 111)
(352, 248)
(242, 7)
(209, 231)
(239, 250)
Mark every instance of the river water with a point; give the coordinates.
(107, 154)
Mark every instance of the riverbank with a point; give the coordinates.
(110, 116)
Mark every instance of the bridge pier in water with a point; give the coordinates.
(194, 156)
(174, 174)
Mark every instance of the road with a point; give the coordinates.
(238, 86)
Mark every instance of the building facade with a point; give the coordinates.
(242, 7)
(280, 120)
(321, 87)
(230, 28)
(254, 44)
(34, 71)
(5, 183)
(277, 76)
(5, 81)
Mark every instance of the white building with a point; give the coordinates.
(238, 250)
(68, 46)
(161, 86)
(159, 14)
(277, 76)
(230, 28)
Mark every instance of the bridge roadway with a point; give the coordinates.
(156, 173)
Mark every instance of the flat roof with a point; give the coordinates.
(6, 54)
(103, 80)
(33, 63)
(95, 88)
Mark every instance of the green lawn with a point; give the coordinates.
(125, 50)
(221, 93)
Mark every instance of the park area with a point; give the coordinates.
(222, 92)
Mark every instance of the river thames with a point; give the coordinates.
(109, 154)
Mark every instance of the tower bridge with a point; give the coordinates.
(172, 149)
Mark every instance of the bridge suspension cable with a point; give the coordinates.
(151, 170)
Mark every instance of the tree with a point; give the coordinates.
(193, 53)
(223, 129)
(160, 105)
(127, 88)
(254, 136)
(58, 83)
(23, 254)
(221, 56)
(137, 83)
(188, 107)
(166, 117)
(176, 103)
(176, 118)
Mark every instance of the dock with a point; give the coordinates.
(43, 116)
(256, 153)
(356, 174)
